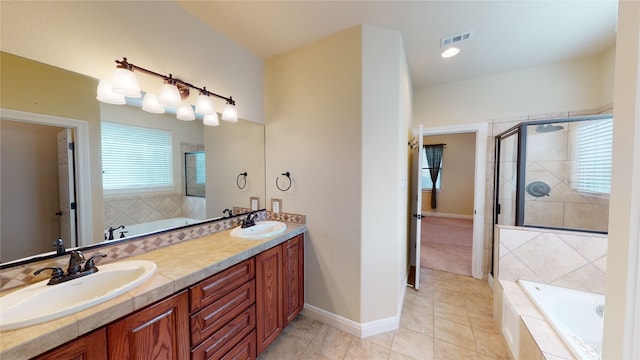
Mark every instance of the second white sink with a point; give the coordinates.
(40, 302)
(261, 230)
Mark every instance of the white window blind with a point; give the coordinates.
(593, 157)
(135, 157)
(201, 174)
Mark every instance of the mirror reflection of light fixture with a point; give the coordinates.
(185, 113)
(125, 84)
(211, 120)
(106, 95)
(230, 113)
(151, 104)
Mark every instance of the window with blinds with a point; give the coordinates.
(135, 157)
(593, 157)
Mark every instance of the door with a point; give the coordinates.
(416, 207)
(66, 180)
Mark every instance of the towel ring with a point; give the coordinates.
(244, 183)
(288, 175)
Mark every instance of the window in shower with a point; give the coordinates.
(555, 174)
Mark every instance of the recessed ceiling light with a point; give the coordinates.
(450, 52)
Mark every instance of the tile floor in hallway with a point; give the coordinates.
(449, 318)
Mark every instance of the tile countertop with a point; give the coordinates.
(179, 266)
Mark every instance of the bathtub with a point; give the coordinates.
(577, 316)
(154, 226)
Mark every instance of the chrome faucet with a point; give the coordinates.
(249, 221)
(59, 245)
(74, 269)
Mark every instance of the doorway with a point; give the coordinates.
(79, 205)
(479, 176)
(447, 220)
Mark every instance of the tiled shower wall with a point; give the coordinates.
(141, 208)
(550, 159)
(497, 126)
(568, 259)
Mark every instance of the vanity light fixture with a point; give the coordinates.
(125, 84)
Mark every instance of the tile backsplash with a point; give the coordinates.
(20, 275)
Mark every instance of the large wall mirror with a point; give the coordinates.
(39, 169)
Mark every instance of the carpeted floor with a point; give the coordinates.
(446, 244)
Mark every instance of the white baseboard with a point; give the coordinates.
(455, 216)
(354, 328)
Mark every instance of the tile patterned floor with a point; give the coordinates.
(449, 318)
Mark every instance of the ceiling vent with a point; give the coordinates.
(450, 40)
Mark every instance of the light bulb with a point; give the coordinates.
(230, 113)
(151, 104)
(185, 113)
(106, 95)
(124, 82)
(204, 105)
(169, 95)
(211, 120)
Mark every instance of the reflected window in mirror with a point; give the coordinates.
(135, 157)
(195, 173)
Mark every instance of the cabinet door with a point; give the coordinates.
(293, 278)
(88, 347)
(160, 331)
(269, 303)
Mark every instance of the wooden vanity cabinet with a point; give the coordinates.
(92, 346)
(293, 252)
(279, 289)
(232, 315)
(160, 331)
(223, 314)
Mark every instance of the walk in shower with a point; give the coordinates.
(554, 174)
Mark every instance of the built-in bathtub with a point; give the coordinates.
(154, 226)
(577, 316)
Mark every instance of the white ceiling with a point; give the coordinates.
(508, 35)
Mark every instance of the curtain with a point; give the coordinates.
(434, 158)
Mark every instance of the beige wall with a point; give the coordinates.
(328, 110)
(34, 87)
(622, 323)
(30, 193)
(313, 130)
(458, 172)
(386, 105)
(234, 148)
(573, 85)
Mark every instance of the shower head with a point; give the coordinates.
(548, 128)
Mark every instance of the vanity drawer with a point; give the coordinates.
(246, 349)
(233, 333)
(220, 284)
(217, 314)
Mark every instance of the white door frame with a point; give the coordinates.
(83, 176)
(480, 129)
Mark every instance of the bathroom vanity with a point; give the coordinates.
(230, 301)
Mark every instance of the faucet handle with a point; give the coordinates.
(90, 265)
(56, 272)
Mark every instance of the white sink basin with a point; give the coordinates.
(261, 230)
(40, 302)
